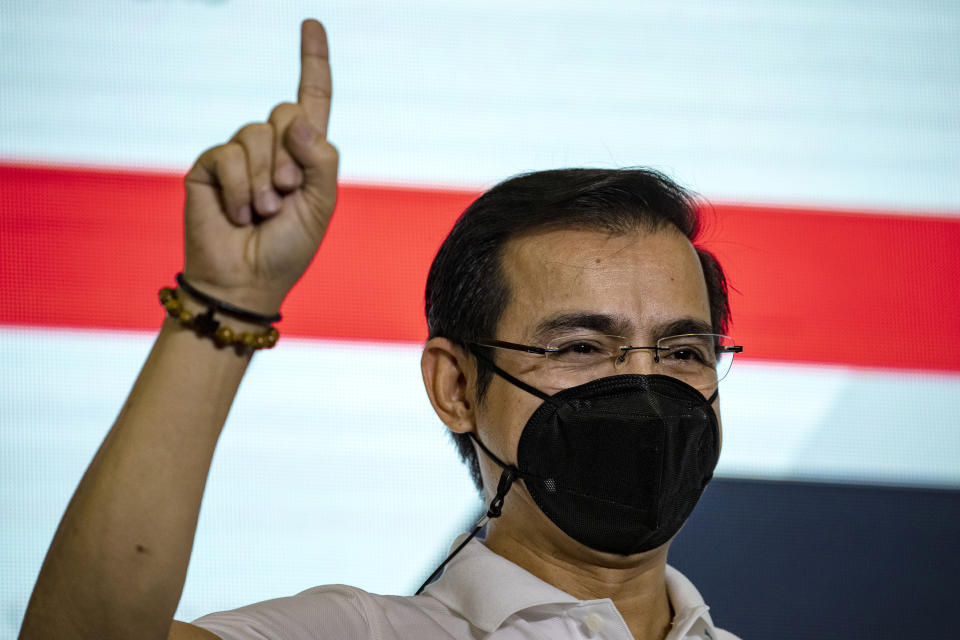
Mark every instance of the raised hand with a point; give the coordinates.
(258, 206)
(257, 209)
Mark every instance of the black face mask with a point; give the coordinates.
(617, 463)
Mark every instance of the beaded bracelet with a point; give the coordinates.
(205, 325)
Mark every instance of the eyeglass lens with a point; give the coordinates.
(697, 359)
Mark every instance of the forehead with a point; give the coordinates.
(641, 279)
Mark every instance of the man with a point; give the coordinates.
(573, 352)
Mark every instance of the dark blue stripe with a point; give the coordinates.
(792, 560)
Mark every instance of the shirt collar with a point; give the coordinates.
(486, 589)
(688, 605)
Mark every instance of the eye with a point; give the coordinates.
(690, 353)
(580, 349)
(687, 356)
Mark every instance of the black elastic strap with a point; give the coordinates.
(503, 465)
(514, 469)
(509, 378)
(450, 557)
(226, 307)
(496, 508)
(503, 487)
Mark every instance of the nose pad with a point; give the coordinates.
(637, 360)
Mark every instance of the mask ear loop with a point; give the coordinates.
(509, 475)
(496, 507)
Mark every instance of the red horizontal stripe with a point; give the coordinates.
(89, 248)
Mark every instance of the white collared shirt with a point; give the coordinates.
(479, 595)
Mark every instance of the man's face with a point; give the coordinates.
(640, 285)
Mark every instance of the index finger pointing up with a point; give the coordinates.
(315, 86)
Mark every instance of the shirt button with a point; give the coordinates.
(594, 623)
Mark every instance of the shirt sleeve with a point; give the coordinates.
(333, 611)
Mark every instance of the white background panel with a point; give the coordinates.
(833, 102)
(334, 469)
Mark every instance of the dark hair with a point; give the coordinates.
(466, 288)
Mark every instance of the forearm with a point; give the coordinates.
(118, 561)
(116, 566)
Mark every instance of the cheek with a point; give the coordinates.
(502, 417)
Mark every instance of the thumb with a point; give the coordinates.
(319, 160)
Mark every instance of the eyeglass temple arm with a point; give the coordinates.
(516, 347)
(515, 381)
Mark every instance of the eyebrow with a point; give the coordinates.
(616, 325)
(599, 322)
(681, 326)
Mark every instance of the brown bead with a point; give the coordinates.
(248, 339)
(225, 335)
(261, 341)
(185, 317)
(272, 338)
(166, 294)
(173, 306)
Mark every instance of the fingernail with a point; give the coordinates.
(288, 176)
(268, 201)
(245, 215)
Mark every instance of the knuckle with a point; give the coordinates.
(253, 131)
(231, 159)
(211, 156)
(283, 111)
(198, 169)
(328, 153)
(315, 90)
(206, 168)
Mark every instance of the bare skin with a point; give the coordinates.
(642, 281)
(117, 564)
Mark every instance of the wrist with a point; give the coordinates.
(241, 303)
(205, 316)
(197, 308)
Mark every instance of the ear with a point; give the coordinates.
(449, 375)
